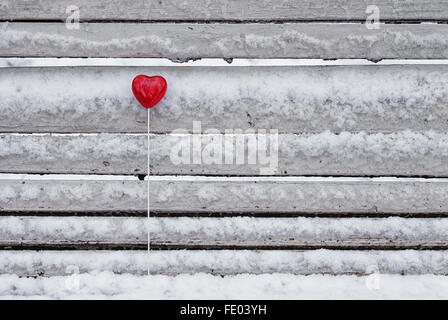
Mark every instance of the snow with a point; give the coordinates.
(401, 153)
(284, 40)
(207, 62)
(11, 38)
(107, 285)
(292, 99)
(365, 100)
(397, 145)
(226, 262)
(174, 194)
(209, 230)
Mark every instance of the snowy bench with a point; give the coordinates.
(362, 147)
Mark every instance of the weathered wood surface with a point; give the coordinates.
(184, 41)
(224, 262)
(404, 153)
(222, 233)
(290, 99)
(257, 196)
(240, 10)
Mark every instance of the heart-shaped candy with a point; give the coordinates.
(149, 90)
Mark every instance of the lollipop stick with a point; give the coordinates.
(149, 211)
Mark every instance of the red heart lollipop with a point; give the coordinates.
(149, 90)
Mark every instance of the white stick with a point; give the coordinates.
(149, 212)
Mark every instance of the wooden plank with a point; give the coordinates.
(291, 99)
(186, 41)
(224, 262)
(207, 195)
(240, 10)
(222, 233)
(404, 153)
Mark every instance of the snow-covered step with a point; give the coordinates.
(404, 153)
(224, 262)
(214, 195)
(106, 285)
(223, 233)
(241, 10)
(292, 99)
(224, 40)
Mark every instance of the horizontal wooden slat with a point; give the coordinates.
(223, 233)
(233, 195)
(224, 262)
(241, 10)
(184, 41)
(404, 153)
(290, 99)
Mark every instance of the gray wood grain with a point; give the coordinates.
(185, 41)
(222, 233)
(218, 10)
(225, 262)
(291, 99)
(255, 196)
(404, 153)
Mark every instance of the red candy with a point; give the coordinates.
(149, 90)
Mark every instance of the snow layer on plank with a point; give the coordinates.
(242, 10)
(292, 99)
(205, 286)
(237, 194)
(186, 41)
(50, 263)
(204, 231)
(206, 62)
(401, 153)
